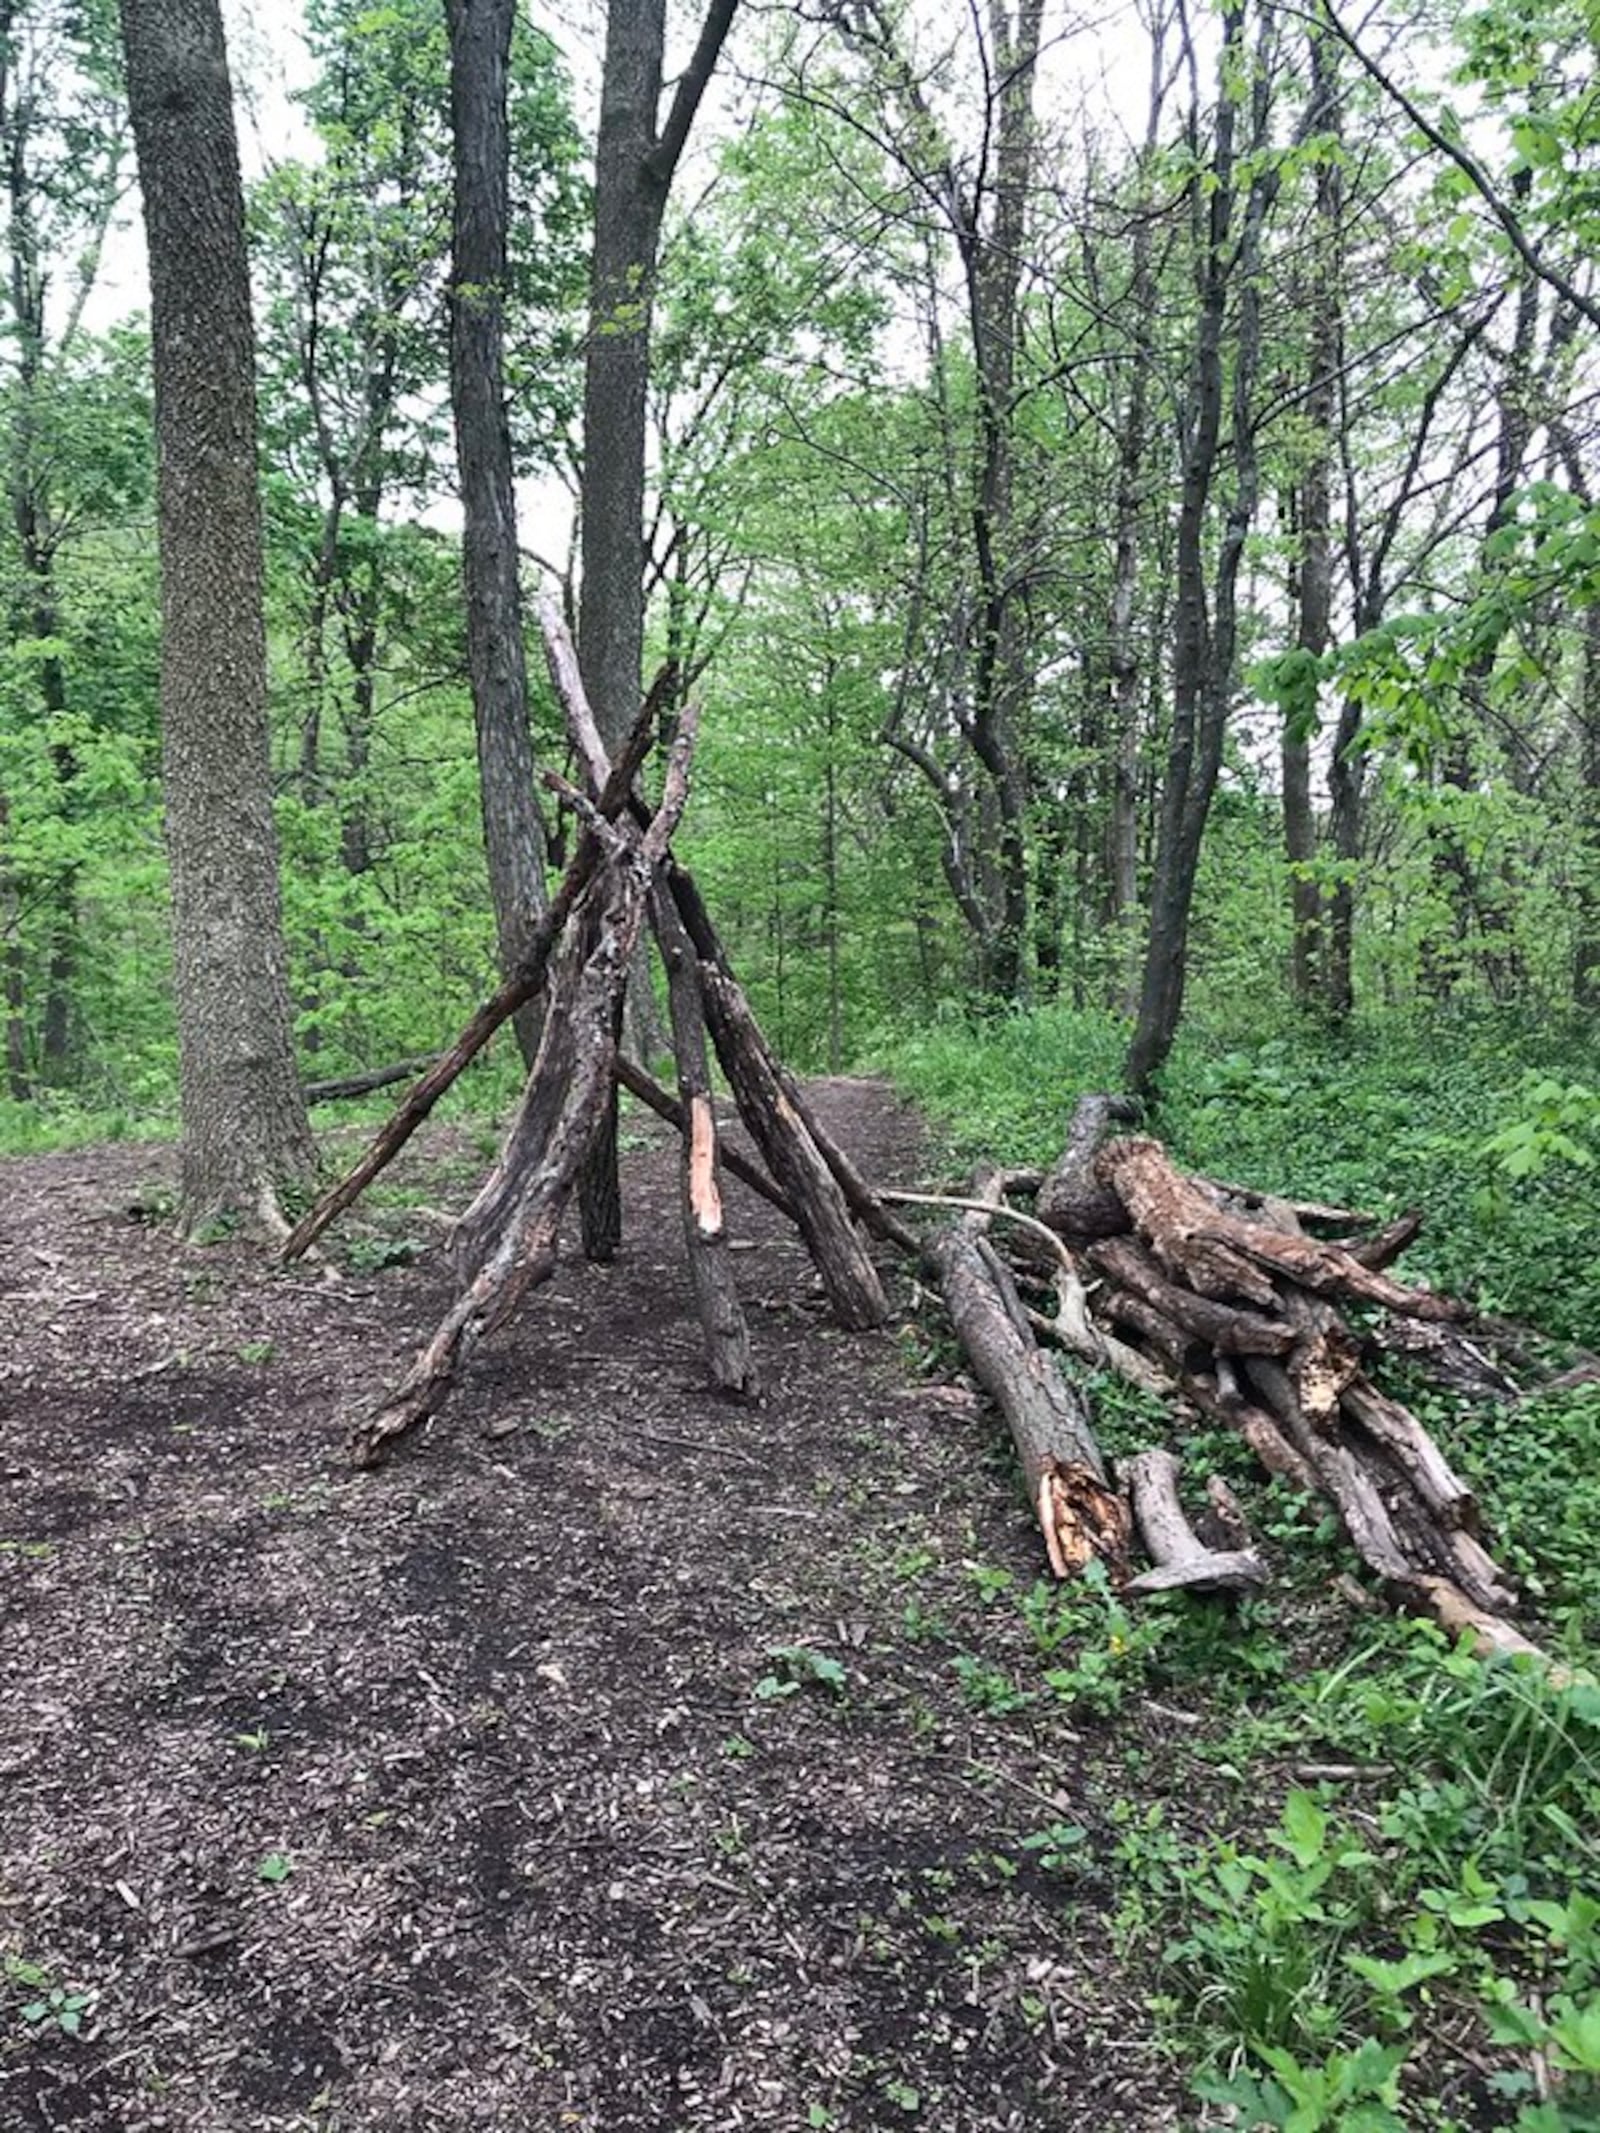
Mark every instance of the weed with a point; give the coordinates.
(797, 1667)
(987, 1688)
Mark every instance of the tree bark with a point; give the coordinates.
(245, 1129)
(1206, 630)
(1071, 1198)
(1079, 1515)
(1122, 641)
(728, 1352)
(1314, 512)
(634, 166)
(1182, 1562)
(514, 839)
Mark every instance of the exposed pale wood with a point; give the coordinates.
(1490, 1632)
(705, 1199)
(1050, 1244)
(774, 1124)
(729, 1356)
(655, 1098)
(1075, 1328)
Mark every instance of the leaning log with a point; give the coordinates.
(535, 1176)
(655, 1098)
(729, 1356)
(525, 983)
(511, 1232)
(1080, 1516)
(773, 1123)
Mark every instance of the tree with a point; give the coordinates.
(634, 166)
(355, 260)
(1232, 199)
(65, 142)
(480, 50)
(245, 1128)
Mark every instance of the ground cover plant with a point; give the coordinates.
(1380, 1907)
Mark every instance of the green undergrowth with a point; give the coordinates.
(1362, 1882)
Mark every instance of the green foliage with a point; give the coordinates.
(796, 1667)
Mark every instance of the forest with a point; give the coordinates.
(799, 774)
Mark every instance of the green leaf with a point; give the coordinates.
(1305, 1828)
(1394, 1979)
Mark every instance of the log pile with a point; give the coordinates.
(1248, 1315)
(1256, 1312)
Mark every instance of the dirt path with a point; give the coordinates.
(481, 1794)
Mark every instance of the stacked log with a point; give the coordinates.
(1229, 1294)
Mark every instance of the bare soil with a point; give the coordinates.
(497, 1790)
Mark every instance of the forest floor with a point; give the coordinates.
(592, 1766)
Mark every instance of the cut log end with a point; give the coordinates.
(1082, 1521)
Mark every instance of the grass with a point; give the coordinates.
(1414, 1942)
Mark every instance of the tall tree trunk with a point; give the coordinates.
(37, 607)
(1471, 899)
(1122, 642)
(634, 165)
(245, 1129)
(1205, 638)
(480, 50)
(1314, 512)
(19, 1081)
(1586, 954)
(1002, 675)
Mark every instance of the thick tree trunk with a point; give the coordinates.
(480, 47)
(1194, 751)
(1122, 639)
(1079, 1515)
(634, 166)
(1002, 672)
(245, 1128)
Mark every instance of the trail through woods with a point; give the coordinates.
(502, 1787)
